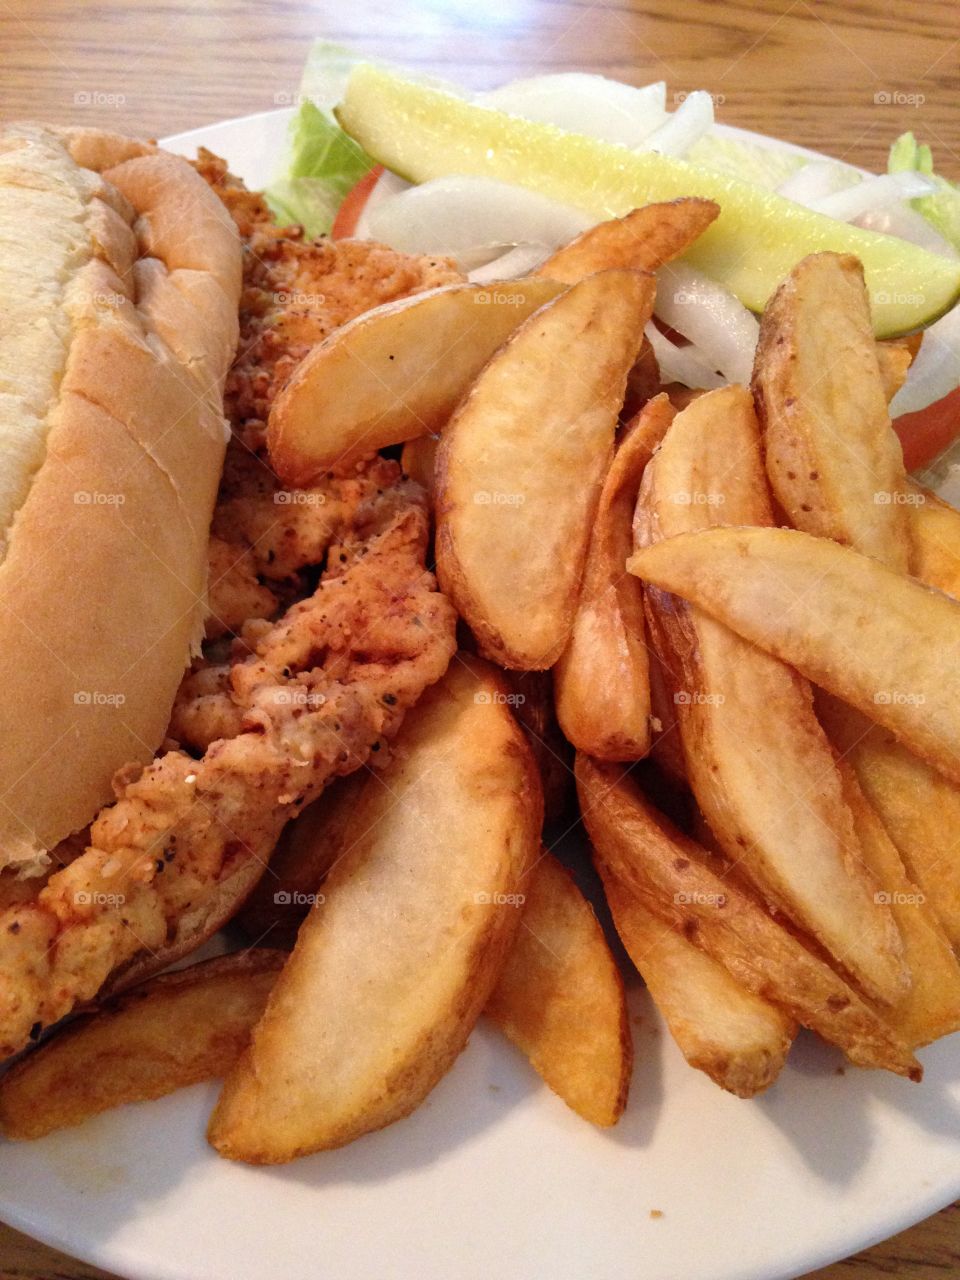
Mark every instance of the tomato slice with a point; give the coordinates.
(348, 215)
(926, 433)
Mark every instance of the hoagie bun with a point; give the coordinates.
(120, 277)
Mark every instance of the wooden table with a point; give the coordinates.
(842, 77)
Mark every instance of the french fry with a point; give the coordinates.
(934, 528)
(880, 641)
(419, 462)
(675, 878)
(832, 456)
(560, 997)
(643, 240)
(931, 1008)
(758, 762)
(919, 808)
(521, 464)
(740, 1041)
(533, 705)
(393, 373)
(666, 746)
(643, 381)
(601, 678)
(894, 357)
(307, 849)
(172, 1031)
(680, 396)
(841, 420)
(392, 970)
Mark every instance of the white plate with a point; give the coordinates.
(493, 1175)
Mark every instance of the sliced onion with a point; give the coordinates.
(936, 370)
(518, 260)
(817, 179)
(687, 125)
(886, 209)
(458, 215)
(580, 103)
(387, 185)
(872, 193)
(720, 327)
(681, 364)
(906, 224)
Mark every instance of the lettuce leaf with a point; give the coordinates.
(324, 164)
(942, 209)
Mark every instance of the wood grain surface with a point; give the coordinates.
(843, 76)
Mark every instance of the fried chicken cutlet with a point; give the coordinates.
(279, 705)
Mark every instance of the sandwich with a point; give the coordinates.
(190, 652)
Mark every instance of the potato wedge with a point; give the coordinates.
(739, 1040)
(307, 849)
(666, 747)
(560, 997)
(531, 697)
(418, 919)
(521, 464)
(172, 1031)
(643, 240)
(882, 642)
(919, 808)
(931, 1008)
(419, 462)
(934, 528)
(894, 357)
(643, 381)
(601, 679)
(686, 888)
(832, 456)
(393, 373)
(758, 762)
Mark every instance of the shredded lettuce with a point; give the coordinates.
(324, 163)
(942, 209)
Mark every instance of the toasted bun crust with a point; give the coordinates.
(120, 274)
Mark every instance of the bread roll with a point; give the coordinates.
(120, 278)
